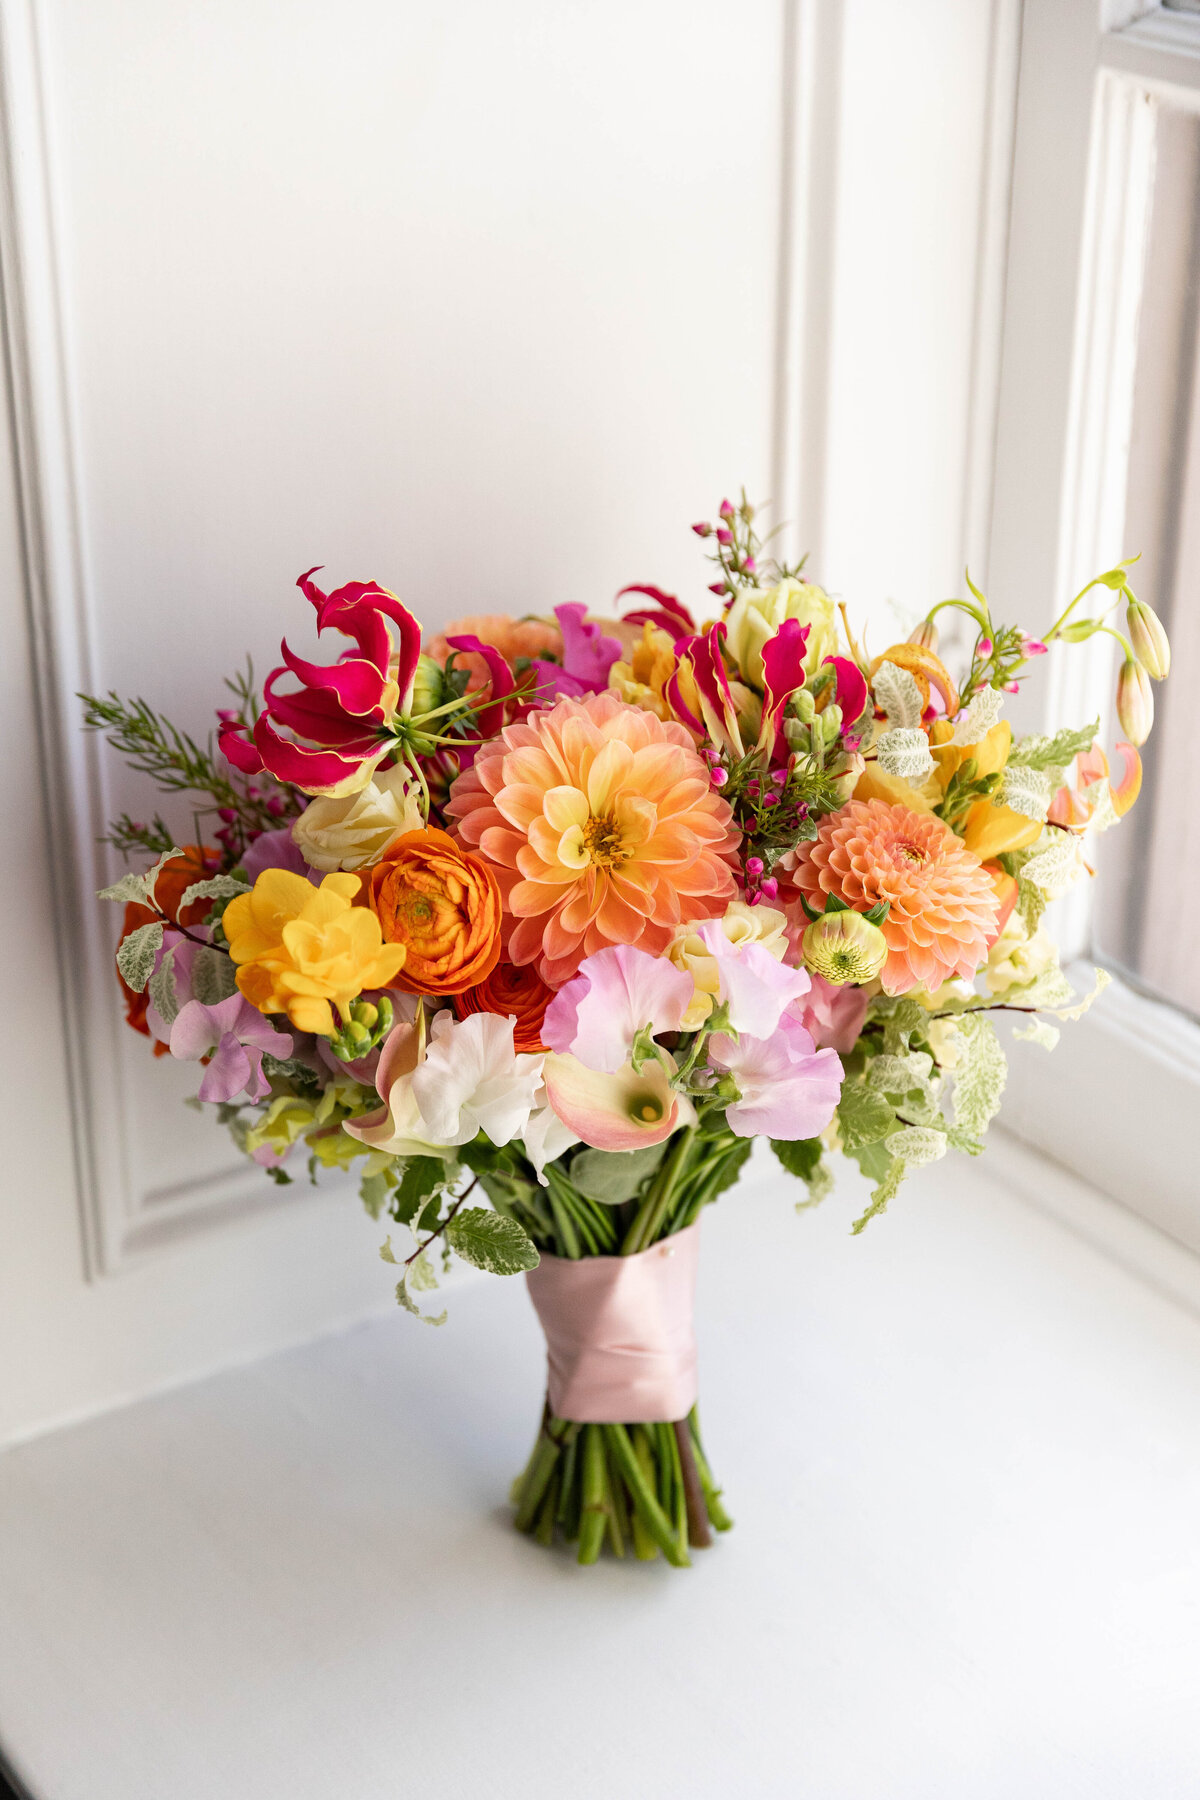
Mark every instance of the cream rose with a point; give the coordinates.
(354, 832)
(757, 614)
(742, 924)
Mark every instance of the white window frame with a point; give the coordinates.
(1117, 1102)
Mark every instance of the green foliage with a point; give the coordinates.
(614, 1176)
(214, 977)
(135, 958)
(1053, 752)
(864, 1117)
(979, 1075)
(417, 1277)
(424, 1178)
(799, 1156)
(490, 1241)
(216, 887)
(374, 1191)
(139, 888)
(164, 996)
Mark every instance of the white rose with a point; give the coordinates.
(354, 832)
(757, 614)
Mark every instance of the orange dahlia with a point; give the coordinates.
(942, 904)
(602, 826)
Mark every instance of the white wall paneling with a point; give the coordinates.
(488, 304)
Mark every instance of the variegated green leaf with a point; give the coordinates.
(979, 1075)
(1026, 791)
(982, 713)
(905, 754)
(896, 690)
(135, 958)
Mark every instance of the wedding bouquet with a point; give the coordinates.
(539, 925)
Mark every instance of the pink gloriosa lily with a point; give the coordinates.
(783, 675)
(668, 613)
(1073, 807)
(490, 719)
(851, 689)
(337, 719)
(702, 655)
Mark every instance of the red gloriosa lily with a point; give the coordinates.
(336, 719)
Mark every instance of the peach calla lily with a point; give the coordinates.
(623, 1111)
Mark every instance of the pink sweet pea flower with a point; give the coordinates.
(588, 655)
(756, 987)
(834, 1015)
(787, 1088)
(337, 718)
(237, 1035)
(618, 992)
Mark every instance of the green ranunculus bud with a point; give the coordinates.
(803, 705)
(426, 689)
(845, 948)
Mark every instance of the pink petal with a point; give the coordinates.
(617, 993)
(603, 1109)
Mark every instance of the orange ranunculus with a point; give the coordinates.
(513, 991)
(443, 904)
(197, 862)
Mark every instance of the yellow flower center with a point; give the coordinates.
(603, 842)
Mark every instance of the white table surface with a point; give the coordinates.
(963, 1453)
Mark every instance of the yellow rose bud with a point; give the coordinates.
(1150, 643)
(845, 948)
(1135, 702)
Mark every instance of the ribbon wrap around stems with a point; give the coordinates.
(620, 1344)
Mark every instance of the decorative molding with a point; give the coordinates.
(810, 62)
(991, 266)
(121, 1215)
(1161, 50)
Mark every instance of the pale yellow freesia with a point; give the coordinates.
(1016, 958)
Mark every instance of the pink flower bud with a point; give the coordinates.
(1012, 687)
(779, 777)
(724, 537)
(770, 888)
(750, 566)
(702, 530)
(1032, 646)
(1135, 702)
(726, 510)
(754, 865)
(716, 587)
(985, 646)
(770, 800)
(719, 777)
(1149, 640)
(226, 815)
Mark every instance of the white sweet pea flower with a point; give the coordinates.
(439, 1091)
(545, 1137)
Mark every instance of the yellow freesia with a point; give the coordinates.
(301, 950)
(988, 830)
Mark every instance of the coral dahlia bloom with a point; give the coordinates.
(602, 827)
(943, 905)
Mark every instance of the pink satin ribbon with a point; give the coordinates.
(620, 1345)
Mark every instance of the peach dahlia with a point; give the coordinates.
(602, 827)
(942, 904)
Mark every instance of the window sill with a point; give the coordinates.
(963, 1453)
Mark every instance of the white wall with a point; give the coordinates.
(485, 303)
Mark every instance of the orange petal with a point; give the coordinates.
(1126, 790)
